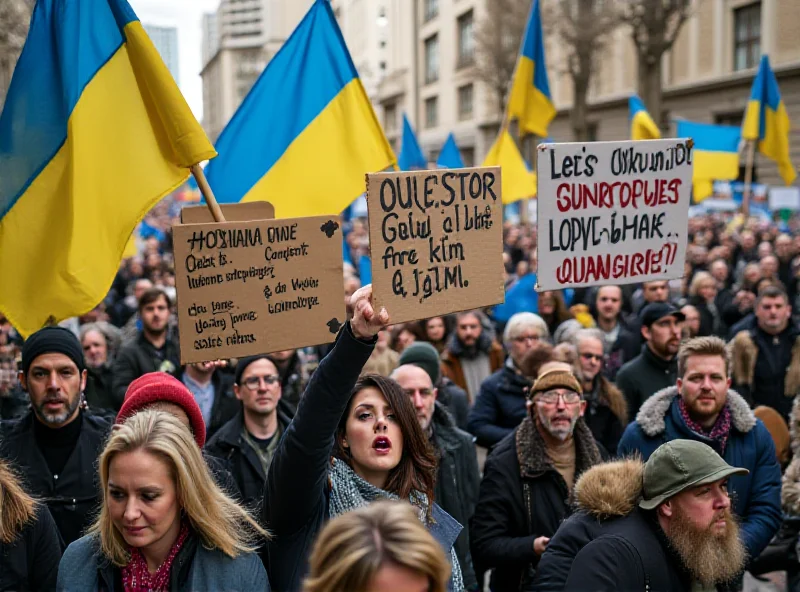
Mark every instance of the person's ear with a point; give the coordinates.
(646, 332)
(23, 380)
(84, 376)
(666, 510)
(583, 408)
(435, 394)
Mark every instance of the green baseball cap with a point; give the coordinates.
(678, 465)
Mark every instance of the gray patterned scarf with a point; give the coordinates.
(349, 491)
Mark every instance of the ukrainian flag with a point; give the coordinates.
(450, 156)
(715, 155)
(518, 181)
(94, 132)
(411, 156)
(642, 125)
(530, 101)
(766, 120)
(306, 134)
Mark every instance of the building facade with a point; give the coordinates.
(238, 42)
(165, 40)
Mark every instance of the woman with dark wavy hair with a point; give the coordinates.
(352, 441)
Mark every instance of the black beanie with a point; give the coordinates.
(243, 363)
(52, 340)
(424, 355)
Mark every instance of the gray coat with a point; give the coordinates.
(84, 568)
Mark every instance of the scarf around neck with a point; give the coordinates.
(349, 492)
(719, 431)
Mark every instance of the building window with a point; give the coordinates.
(466, 40)
(431, 112)
(390, 117)
(468, 156)
(465, 102)
(382, 66)
(747, 36)
(432, 59)
(591, 131)
(431, 9)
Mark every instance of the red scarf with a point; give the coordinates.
(719, 431)
(136, 577)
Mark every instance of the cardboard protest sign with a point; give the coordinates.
(436, 241)
(257, 286)
(612, 212)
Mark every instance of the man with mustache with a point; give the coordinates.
(663, 525)
(702, 407)
(656, 367)
(528, 478)
(56, 444)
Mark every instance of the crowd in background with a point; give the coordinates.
(472, 379)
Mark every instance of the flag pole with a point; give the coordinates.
(205, 189)
(748, 176)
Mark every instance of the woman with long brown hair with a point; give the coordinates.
(383, 547)
(352, 441)
(29, 544)
(164, 524)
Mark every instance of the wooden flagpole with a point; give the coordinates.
(205, 189)
(748, 176)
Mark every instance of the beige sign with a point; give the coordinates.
(257, 286)
(436, 241)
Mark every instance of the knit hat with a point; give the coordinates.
(51, 340)
(159, 387)
(556, 378)
(243, 363)
(424, 355)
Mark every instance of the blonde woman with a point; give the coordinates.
(29, 544)
(703, 296)
(382, 546)
(163, 524)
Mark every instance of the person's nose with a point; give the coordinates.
(560, 403)
(381, 424)
(418, 402)
(722, 501)
(52, 381)
(132, 511)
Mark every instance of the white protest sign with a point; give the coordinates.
(784, 198)
(612, 212)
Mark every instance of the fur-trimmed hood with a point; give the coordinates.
(651, 416)
(744, 353)
(794, 426)
(610, 489)
(790, 492)
(614, 398)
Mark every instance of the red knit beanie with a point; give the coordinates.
(160, 387)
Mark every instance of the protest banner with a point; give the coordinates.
(256, 286)
(436, 241)
(612, 212)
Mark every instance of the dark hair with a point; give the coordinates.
(417, 466)
(152, 295)
(772, 291)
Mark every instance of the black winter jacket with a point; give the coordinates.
(522, 497)
(138, 358)
(610, 545)
(71, 496)
(30, 562)
(457, 482)
(644, 376)
(500, 406)
(229, 446)
(295, 499)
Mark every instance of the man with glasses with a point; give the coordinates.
(528, 480)
(606, 408)
(500, 405)
(457, 475)
(249, 440)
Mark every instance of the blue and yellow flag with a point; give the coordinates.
(94, 132)
(530, 101)
(450, 156)
(642, 125)
(518, 181)
(715, 155)
(766, 121)
(411, 156)
(306, 134)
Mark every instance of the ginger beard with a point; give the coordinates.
(710, 557)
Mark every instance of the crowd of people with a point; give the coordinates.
(618, 437)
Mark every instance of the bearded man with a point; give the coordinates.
(527, 480)
(662, 525)
(702, 407)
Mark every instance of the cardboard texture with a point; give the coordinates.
(436, 241)
(612, 212)
(258, 286)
